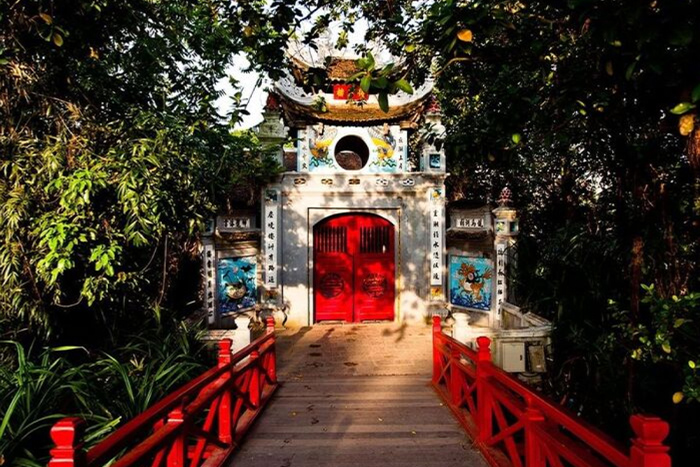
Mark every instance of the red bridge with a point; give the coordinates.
(359, 395)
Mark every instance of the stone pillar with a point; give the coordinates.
(241, 336)
(506, 230)
(460, 329)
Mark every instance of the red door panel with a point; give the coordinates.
(354, 270)
(333, 273)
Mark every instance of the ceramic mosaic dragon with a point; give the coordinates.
(386, 145)
(320, 141)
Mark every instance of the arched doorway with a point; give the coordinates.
(354, 268)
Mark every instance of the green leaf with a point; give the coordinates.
(682, 108)
(404, 85)
(695, 95)
(681, 36)
(366, 82)
(516, 138)
(383, 99)
(370, 61)
(380, 83)
(410, 48)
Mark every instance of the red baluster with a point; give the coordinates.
(647, 448)
(66, 435)
(484, 419)
(225, 415)
(224, 352)
(254, 389)
(534, 457)
(176, 455)
(437, 329)
(455, 357)
(272, 353)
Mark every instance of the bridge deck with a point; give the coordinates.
(356, 395)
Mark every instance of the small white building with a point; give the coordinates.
(355, 229)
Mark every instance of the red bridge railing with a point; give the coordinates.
(199, 424)
(514, 426)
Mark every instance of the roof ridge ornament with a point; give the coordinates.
(506, 197)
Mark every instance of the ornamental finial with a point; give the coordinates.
(433, 105)
(272, 103)
(506, 197)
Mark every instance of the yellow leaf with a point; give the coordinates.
(677, 397)
(609, 68)
(47, 18)
(666, 347)
(686, 124)
(57, 39)
(465, 35)
(94, 54)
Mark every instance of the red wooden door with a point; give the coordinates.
(354, 270)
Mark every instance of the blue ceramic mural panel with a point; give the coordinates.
(236, 283)
(471, 282)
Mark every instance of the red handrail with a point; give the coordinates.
(203, 421)
(514, 426)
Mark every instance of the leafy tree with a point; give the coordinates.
(588, 110)
(113, 150)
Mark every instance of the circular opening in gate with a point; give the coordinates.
(351, 152)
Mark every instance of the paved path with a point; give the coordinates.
(356, 395)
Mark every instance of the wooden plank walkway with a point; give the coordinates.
(356, 395)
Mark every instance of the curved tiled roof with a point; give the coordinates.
(299, 105)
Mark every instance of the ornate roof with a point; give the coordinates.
(299, 105)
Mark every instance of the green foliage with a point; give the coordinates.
(383, 81)
(35, 392)
(587, 110)
(112, 150)
(669, 335)
(37, 388)
(148, 368)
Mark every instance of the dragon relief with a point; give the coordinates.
(385, 142)
(320, 140)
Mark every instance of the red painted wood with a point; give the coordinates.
(66, 434)
(199, 424)
(354, 268)
(515, 426)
